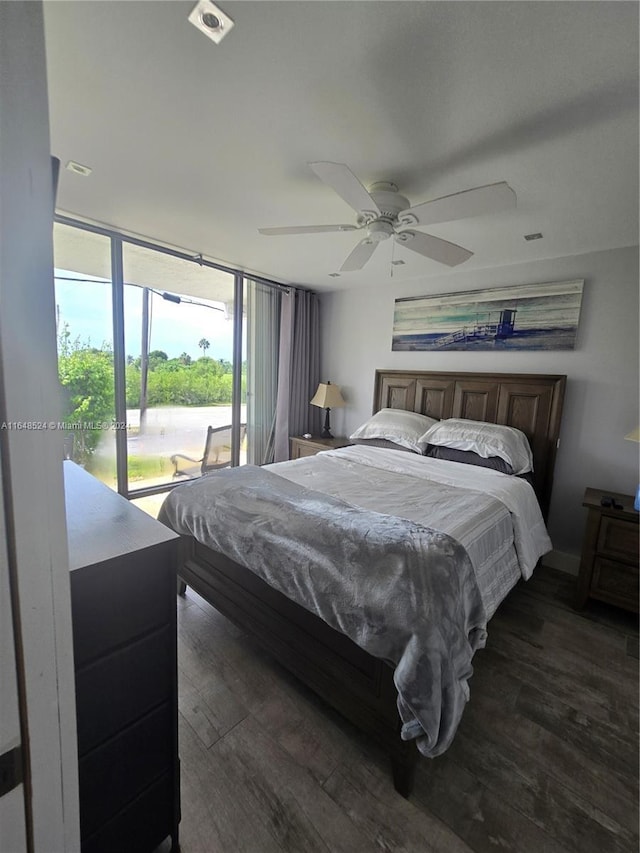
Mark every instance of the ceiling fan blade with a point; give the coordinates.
(359, 257)
(433, 247)
(492, 198)
(341, 179)
(305, 229)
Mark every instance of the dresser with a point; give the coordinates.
(609, 562)
(123, 603)
(310, 446)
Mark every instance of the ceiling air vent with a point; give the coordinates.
(78, 168)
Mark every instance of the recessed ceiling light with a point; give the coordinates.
(397, 263)
(334, 275)
(78, 168)
(536, 236)
(210, 20)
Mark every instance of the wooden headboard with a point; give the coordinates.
(532, 402)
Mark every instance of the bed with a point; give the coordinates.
(321, 651)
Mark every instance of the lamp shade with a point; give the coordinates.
(327, 396)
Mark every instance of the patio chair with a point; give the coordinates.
(217, 453)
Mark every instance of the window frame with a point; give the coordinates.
(117, 241)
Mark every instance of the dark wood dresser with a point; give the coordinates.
(123, 601)
(609, 563)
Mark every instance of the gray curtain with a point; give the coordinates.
(298, 369)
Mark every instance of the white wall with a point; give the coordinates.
(32, 459)
(601, 403)
(13, 825)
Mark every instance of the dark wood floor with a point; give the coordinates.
(545, 759)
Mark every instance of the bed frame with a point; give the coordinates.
(356, 684)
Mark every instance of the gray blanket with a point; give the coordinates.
(402, 592)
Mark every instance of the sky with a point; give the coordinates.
(175, 328)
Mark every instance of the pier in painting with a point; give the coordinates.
(523, 317)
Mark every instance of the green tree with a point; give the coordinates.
(86, 377)
(204, 345)
(132, 380)
(157, 357)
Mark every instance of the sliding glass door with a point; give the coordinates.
(153, 360)
(262, 310)
(179, 349)
(84, 326)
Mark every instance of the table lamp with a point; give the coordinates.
(327, 397)
(634, 435)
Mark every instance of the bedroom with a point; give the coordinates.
(573, 134)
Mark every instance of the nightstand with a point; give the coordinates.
(310, 446)
(609, 564)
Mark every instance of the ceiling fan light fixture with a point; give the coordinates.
(210, 20)
(380, 230)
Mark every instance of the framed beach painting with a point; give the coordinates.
(522, 317)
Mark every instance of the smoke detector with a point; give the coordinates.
(210, 20)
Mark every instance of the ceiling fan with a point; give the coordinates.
(384, 213)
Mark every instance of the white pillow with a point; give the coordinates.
(397, 425)
(484, 439)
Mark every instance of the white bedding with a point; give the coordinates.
(496, 517)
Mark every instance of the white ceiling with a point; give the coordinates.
(199, 145)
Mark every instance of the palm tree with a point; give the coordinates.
(204, 345)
